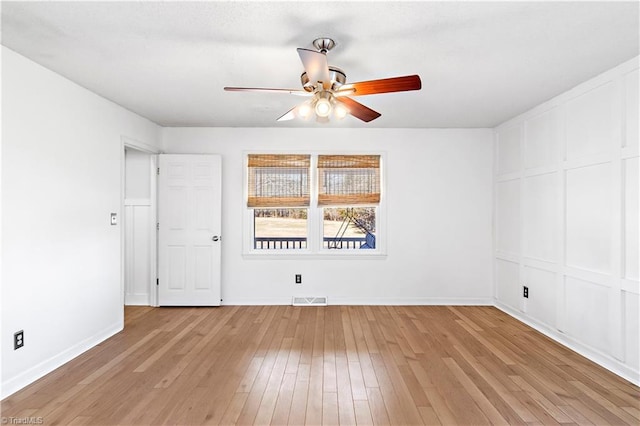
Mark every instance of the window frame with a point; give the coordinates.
(315, 247)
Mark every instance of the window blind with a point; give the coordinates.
(348, 179)
(278, 180)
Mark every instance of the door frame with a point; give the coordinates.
(127, 142)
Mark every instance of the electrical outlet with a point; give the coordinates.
(298, 278)
(18, 339)
(525, 292)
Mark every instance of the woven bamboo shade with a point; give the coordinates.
(278, 180)
(348, 179)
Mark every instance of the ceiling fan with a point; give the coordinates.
(328, 91)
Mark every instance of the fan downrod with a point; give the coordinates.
(324, 44)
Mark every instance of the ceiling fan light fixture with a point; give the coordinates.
(304, 110)
(323, 104)
(340, 111)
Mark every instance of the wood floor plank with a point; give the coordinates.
(234, 408)
(314, 397)
(363, 413)
(605, 403)
(548, 406)
(250, 375)
(380, 365)
(274, 384)
(297, 415)
(440, 406)
(358, 389)
(476, 394)
(429, 416)
(285, 398)
(330, 408)
(389, 397)
(346, 412)
(379, 413)
(519, 409)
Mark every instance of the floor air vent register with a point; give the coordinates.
(309, 301)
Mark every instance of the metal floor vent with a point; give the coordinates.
(309, 301)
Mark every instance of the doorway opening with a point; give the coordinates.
(138, 218)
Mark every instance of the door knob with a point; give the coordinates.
(215, 238)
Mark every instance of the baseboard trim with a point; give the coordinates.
(257, 302)
(394, 301)
(136, 299)
(411, 301)
(604, 360)
(22, 380)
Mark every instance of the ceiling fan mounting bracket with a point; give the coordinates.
(324, 44)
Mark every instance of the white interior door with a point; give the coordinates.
(189, 204)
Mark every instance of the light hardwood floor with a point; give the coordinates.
(327, 365)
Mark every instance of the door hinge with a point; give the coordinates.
(157, 281)
(158, 226)
(158, 171)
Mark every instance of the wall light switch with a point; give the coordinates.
(114, 219)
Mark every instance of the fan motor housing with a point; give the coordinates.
(336, 75)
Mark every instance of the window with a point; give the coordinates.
(349, 181)
(306, 204)
(278, 185)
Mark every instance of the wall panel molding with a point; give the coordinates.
(576, 220)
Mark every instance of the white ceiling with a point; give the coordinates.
(481, 63)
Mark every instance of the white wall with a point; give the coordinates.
(139, 228)
(438, 186)
(566, 218)
(61, 178)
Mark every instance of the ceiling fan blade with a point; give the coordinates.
(269, 90)
(385, 85)
(358, 110)
(289, 115)
(316, 66)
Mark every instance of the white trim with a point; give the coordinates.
(138, 299)
(373, 301)
(630, 286)
(412, 301)
(153, 239)
(34, 373)
(138, 145)
(137, 202)
(588, 352)
(262, 301)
